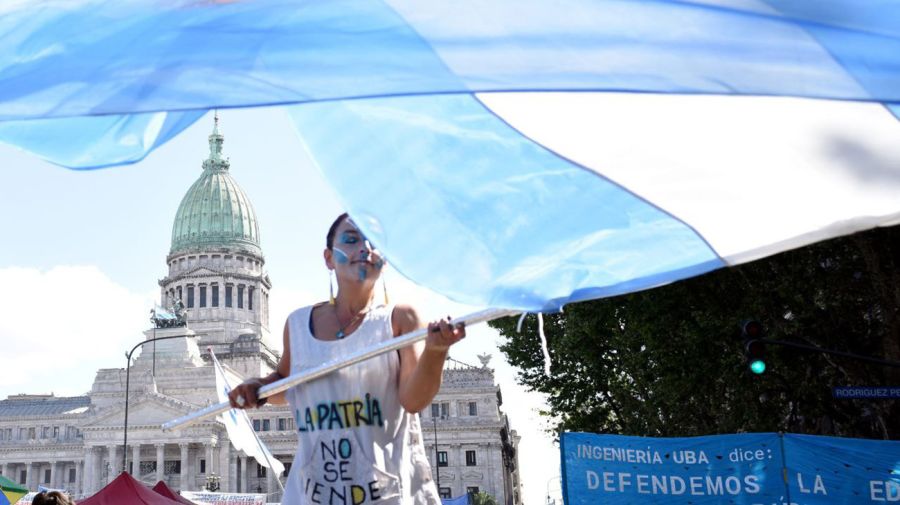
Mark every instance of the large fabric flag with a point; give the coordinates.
(555, 151)
(240, 430)
(10, 492)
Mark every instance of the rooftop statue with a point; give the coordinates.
(172, 317)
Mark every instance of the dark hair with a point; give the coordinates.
(51, 498)
(332, 231)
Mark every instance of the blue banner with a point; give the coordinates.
(828, 470)
(743, 469)
(459, 500)
(613, 469)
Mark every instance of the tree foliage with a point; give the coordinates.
(482, 498)
(669, 361)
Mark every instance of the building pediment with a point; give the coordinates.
(471, 475)
(143, 410)
(201, 271)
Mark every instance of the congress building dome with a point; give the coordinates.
(216, 265)
(215, 214)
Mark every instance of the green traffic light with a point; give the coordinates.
(758, 366)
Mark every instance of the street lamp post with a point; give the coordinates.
(212, 483)
(127, 385)
(552, 501)
(437, 462)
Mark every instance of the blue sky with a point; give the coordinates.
(83, 252)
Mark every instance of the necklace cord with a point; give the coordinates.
(340, 333)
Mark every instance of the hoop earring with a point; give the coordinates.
(387, 301)
(331, 287)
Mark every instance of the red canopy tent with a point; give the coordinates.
(125, 490)
(163, 489)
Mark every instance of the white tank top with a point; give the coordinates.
(356, 444)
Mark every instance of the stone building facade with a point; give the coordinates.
(217, 268)
(476, 450)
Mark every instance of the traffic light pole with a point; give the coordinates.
(812, 348)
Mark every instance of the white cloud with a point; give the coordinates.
(59, 326)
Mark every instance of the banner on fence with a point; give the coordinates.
(842, 470)
(743, 469)
(225, 498)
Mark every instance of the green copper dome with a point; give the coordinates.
(215, 213)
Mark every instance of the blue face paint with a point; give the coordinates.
(353, 238)
(349, 238)
(340, 256)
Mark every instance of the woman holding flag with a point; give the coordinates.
(359, 434)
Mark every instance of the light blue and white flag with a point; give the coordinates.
(45, 489)
(557, 151)
(240, 430)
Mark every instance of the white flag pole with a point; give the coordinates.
(266, 455)
(333, 365)
(246, 420)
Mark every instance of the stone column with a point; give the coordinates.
(270, 482)
(243, 481)
(209, 458)
(54, 475)
(459, 462)
(124, 460)
(223, 462)
(136, 461)
(6, 469)
(32, 475)
(489, 452)
(232, 471)
(111, 469)
(61, 478)
(28, 475)
(79, 477)
(185, 475)
(160, 461)
(98, 468)
(88, 474)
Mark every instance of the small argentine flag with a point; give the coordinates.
(239, 428)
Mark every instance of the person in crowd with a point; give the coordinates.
(52, 498)
(359, 435)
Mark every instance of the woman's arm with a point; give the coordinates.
(248, 389)
(422, 364)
